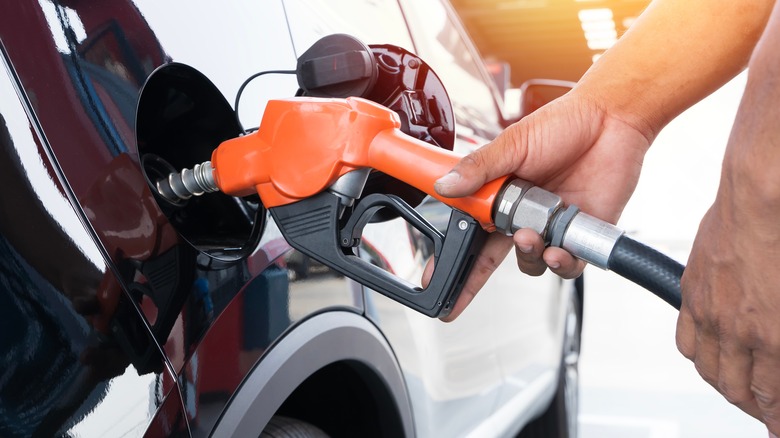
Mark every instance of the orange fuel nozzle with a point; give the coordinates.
(304, 145)
(309, 160)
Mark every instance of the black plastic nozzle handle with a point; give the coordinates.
(312, 227)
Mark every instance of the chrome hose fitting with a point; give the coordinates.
(506, 205)
(585, 237)
(522, 205)
(180, 186)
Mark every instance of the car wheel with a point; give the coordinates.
(560, 418)
(285, 427)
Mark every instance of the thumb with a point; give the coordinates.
(498, 158)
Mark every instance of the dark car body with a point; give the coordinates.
(118, 321)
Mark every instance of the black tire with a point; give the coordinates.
(560, 418)
(285, 427)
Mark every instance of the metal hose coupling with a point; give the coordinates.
(180, 186)
(523, 205)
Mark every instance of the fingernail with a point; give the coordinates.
(554, 265)
(449, 179)
(525, 249)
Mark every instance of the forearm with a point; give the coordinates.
(728, 323)
(675, 54)
(752, 162)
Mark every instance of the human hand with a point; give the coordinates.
(728, 323)
(572, 147)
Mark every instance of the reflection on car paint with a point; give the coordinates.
(59, 355)
(158, 294)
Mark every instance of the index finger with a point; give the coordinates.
(498, 158)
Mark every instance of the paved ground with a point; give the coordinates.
(634, 382)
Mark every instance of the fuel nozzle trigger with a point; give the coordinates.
(312, 227)
(371, 204)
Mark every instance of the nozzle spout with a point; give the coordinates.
(180, 186)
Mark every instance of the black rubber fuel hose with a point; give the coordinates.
(648, 268)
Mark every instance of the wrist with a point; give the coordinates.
(609, 103)
(752, 183)
(752, 159)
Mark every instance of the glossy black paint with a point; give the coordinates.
(172, 316)
(59, 352)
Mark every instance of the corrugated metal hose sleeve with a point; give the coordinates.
(648, 268)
